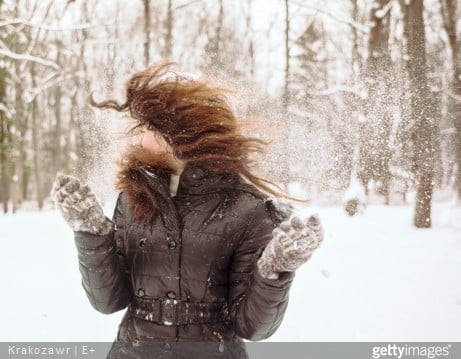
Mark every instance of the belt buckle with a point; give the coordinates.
(168, 314)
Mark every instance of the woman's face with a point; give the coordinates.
(153, 142)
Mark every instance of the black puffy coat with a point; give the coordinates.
(190, 276)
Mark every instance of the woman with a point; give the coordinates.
(195, 251)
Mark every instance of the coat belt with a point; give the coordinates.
(169, 312)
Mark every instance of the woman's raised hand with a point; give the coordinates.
(292, 244)
(79, 206)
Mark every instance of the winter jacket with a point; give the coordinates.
(191, 275)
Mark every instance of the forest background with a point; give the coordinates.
(352, 92)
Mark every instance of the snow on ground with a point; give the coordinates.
(375, 278)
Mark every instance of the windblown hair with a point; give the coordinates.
(196, 121)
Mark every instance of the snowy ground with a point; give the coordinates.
(375, 278)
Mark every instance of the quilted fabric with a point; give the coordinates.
(203, 247)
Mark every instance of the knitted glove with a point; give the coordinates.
(79, 206)
(292, 244)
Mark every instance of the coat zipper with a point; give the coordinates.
(180, 225)
(221, 341)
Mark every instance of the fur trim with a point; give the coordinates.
(132, 180)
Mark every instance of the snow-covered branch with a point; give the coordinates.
(454, 96)
(7, 111)
(185, 5)
(340, 88)
(381, 13)
(48, 82)
(50, 27)
(360, 27)
(27, 57)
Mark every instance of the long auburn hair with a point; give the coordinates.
(195, 119)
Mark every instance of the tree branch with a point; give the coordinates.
(50, 27)
(454, 96)
(26, 57)
(339, 88)
(185, 5)
(362, 28)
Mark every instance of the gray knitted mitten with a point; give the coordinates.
(292, 244)
(79, 206)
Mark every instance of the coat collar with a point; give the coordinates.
(194, 180)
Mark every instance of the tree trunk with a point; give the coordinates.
(214, 47)
(422, 111)
(17, 145)
(169, 31)
(249, 32)
(375, 132)
(287, 56)
(146, 32)
(58, 122)
(4, 145)
(449, 9)
(356, 60)
(35, 146)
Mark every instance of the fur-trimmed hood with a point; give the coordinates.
(133, 178)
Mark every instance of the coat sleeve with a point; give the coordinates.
(257, 304)
(102, 265)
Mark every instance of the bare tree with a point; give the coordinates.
(147, 25)
(35, 143)
(18, 135)
(249, 31)
(168, 47)
(449, 8)
(216, 57)
(375, 131)
(5, 141)
(421, 111)
(356, 59)
(287, 55)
